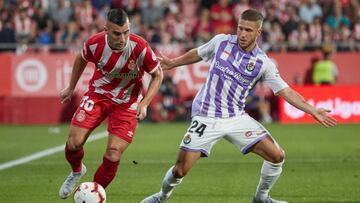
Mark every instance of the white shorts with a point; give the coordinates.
(243, 131)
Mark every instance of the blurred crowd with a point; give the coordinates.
(173, 25)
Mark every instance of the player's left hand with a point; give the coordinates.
(141, 111)
(322, 115)
(65, 95)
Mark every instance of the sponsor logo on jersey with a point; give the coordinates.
(227, 71)
(81, 116)
(129, 75)
(187, 139)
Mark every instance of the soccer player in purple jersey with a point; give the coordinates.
(218, 108)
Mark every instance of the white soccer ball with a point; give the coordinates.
(89, 192)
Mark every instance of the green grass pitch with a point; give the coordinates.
(322, 165)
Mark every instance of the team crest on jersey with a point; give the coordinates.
(132, 65)
(250, 66)
(81, 116)
(187, 139)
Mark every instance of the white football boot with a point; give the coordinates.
(267, 200)
(70, 183)
(155, 198)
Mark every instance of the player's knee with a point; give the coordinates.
(73, 144)
(75, 141)
(278, 157)
(113, 154)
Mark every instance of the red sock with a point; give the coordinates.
(106, 172)
(74, 158)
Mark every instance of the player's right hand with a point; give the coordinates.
(164, 62)
(323, 117)
(66, 94)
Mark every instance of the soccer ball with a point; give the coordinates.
(89, 192)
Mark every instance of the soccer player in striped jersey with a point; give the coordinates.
(115, 92)
(237, 63)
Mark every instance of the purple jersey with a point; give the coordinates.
(232, 74)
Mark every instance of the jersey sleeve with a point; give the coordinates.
(86, 53)
(207, 51)
(272, 78)
(150, 60)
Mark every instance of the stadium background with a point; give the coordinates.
(39, 40)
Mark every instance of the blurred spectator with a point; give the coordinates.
(7, 36)
(332, 22)
(188, 11)
(271, 14)
(166, 45)
(276, 37)
(71, 33)
(240, 7)
(351, 8)
(337, 18)
(291, 23)
(100, 4)
(315, 32)
(133, 7)
(257, 105)
(168, 106)
(343, 39)
(309, 10)
(45, 37)
(308, 80)
(222, 18)
(152, 14)
(44, 27)
(327, 35)
(63, 13)
(299, 39)
(84, 13)
(356, 34)
(325, 70)
(204, 28)
(42, 19)
(135, 25)
(24, 26)
(179, 32)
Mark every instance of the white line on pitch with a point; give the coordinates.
(46, 152)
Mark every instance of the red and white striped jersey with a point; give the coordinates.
(118, 74)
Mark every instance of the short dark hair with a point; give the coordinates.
(117, 16)
(252, 15)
